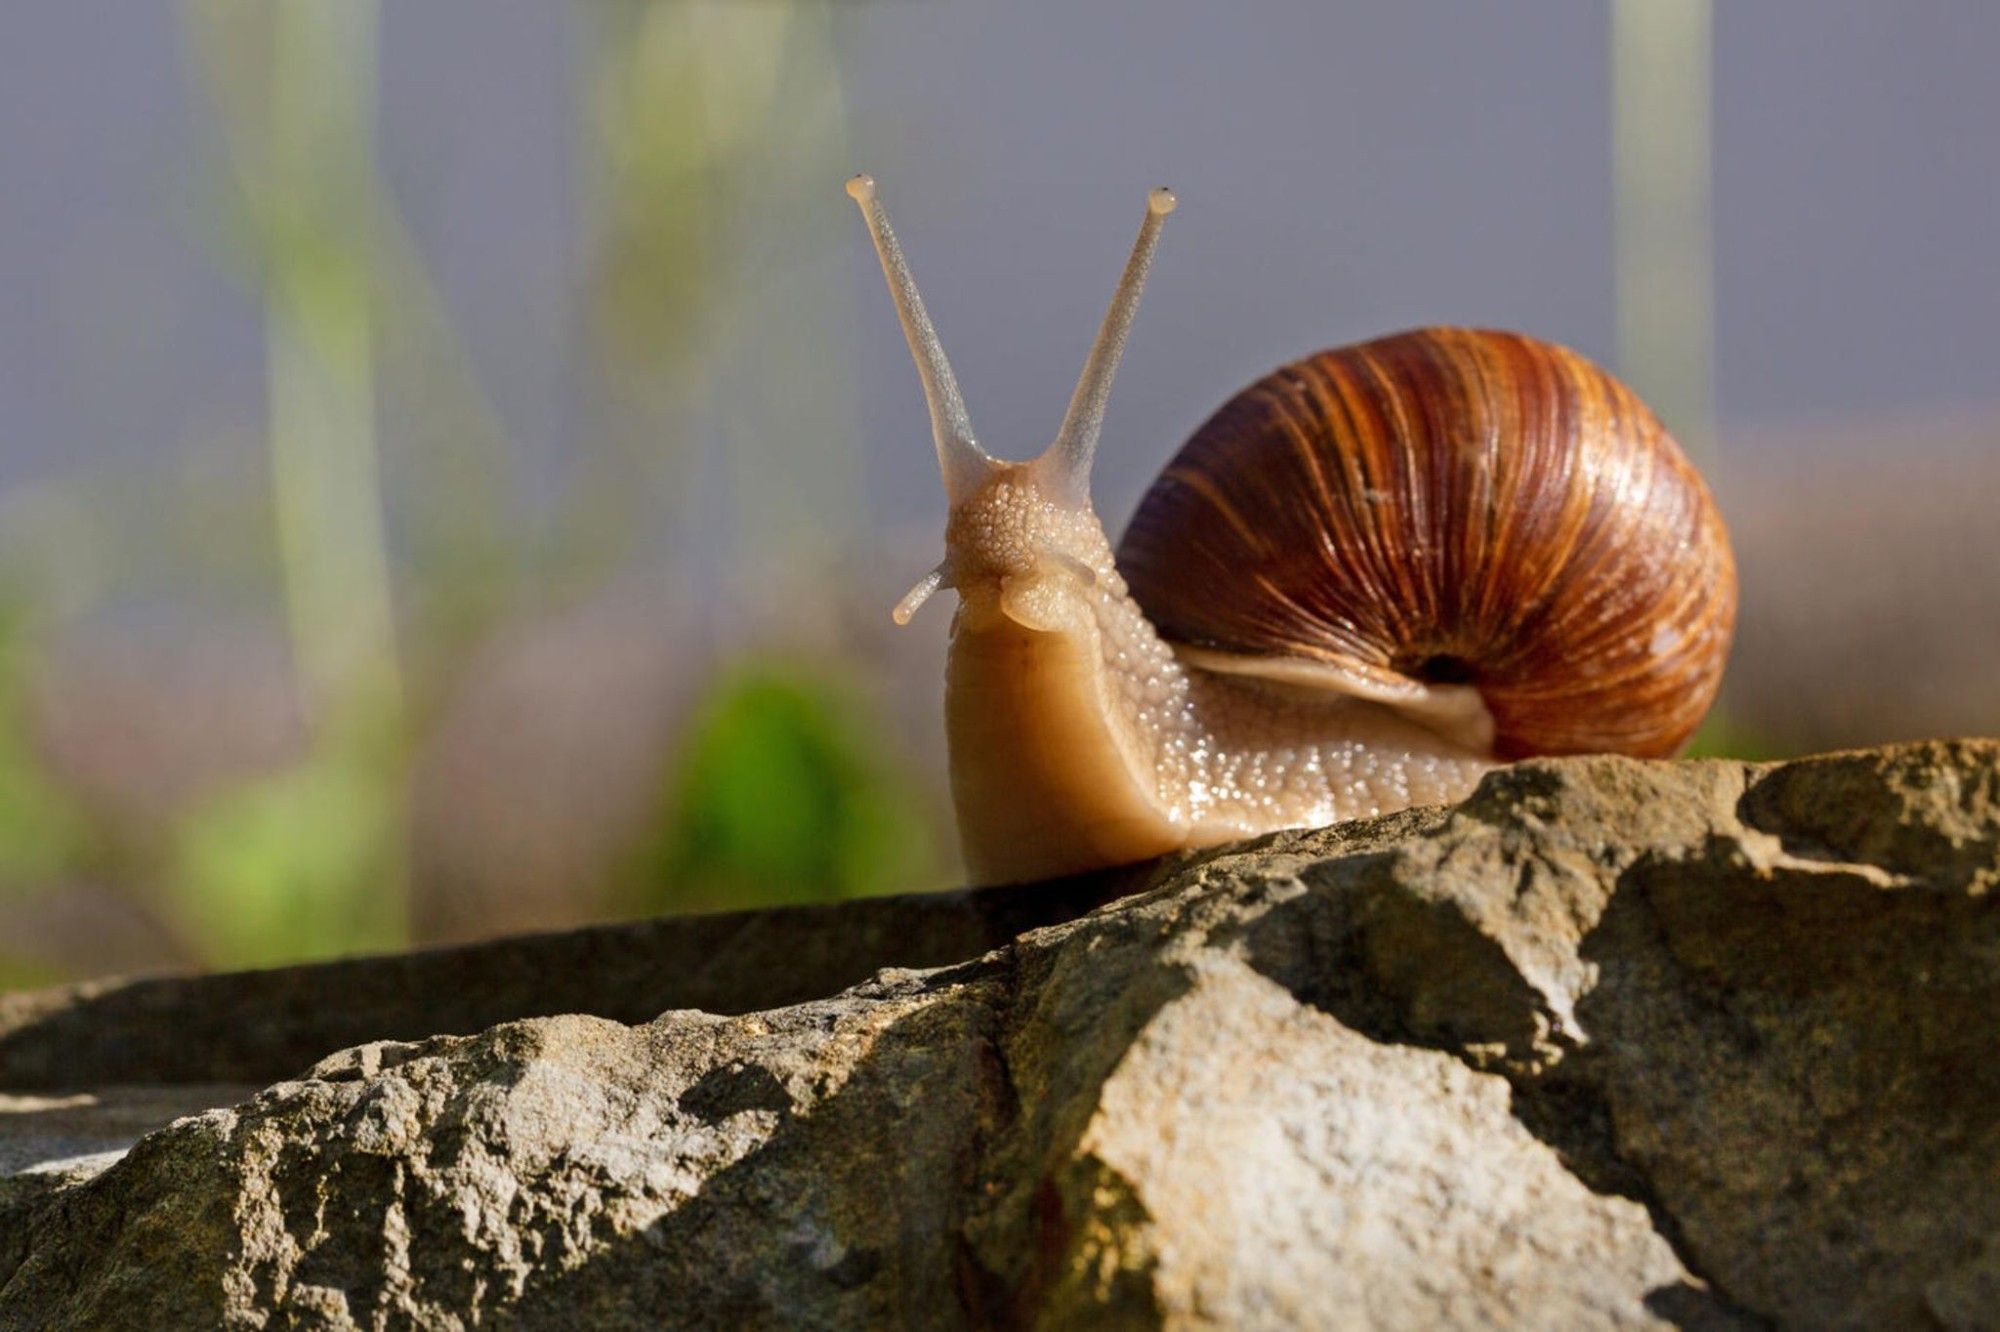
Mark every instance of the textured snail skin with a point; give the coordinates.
(1080, 738)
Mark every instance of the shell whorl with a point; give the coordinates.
(1452, 505)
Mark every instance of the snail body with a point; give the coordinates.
(1366, 580)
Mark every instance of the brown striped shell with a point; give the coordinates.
(1452, 505)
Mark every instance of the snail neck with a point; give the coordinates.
(1081, 738)
(1053, 691)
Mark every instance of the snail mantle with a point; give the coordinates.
(1613, 1043)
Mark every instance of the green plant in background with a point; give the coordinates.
(42, 833)
(1721, 737)
(310, 860)
(704, 127)
(691, 116)
(782, 793)
(710, 132)
(307, 862)
(711, 125)
(43, 836)
(668, 98)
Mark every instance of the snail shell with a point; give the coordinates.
(1451, 506)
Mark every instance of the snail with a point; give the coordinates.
(1369, 578)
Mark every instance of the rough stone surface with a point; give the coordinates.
(1611, 1044)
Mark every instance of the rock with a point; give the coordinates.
(1612, 1044)
(259, 1026)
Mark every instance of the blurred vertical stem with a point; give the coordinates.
(708, 127)
(311, 861)
(1661, 76)
(653, 180)
(792, 458)
(319, 355)
(1662, 99)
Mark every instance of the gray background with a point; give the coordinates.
(1344, 170)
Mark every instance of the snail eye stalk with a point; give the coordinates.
(963, 464)
(1065, 466)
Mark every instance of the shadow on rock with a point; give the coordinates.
(1801, 1064)
(260, 1026)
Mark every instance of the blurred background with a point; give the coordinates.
(458, 457)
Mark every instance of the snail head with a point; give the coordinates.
(1014, 526)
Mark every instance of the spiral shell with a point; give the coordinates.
(1452, 506)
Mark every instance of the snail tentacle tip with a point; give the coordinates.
(1162, 201)
(914, 599)
(861, 188)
